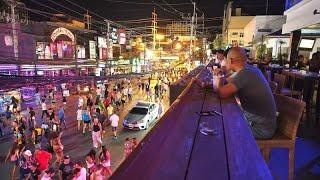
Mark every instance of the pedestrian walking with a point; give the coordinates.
(130, 92)
(105, 160)
(123, 99)
(82, 173)
(14, 103)
(43, 159)
(66, 168)
(127, 147)
(61, 117)
(25, 161)
(32, 118)
(57, 147)
(96, 133)
(134, 143)
(44, 110)
(13, 156)
(114, 119)
(86, 119)
(36, 138)
(37, 98)
(79, 117)
(109, 110)
(80, 101)
(91, 162)
(118, 100)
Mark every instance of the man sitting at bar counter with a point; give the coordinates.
(255, 95)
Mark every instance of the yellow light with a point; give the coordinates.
(160, 37)
(178, 46)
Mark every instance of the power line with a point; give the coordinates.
(143, 3)
(41, 4)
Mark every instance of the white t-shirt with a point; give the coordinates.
(46, 177)
(130, 91)
(114, 120)
(43, 106)
(83, 174)
(79, 114)
(80, 102)
(125, 91)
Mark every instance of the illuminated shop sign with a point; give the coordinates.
(114, 35)
(61, 31)
(122, 36)
(102, 42)
(92, 49)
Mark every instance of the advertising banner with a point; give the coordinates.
(92, 49)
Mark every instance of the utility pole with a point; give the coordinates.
(13, 4)
(87, 20)
(191, 35)
(154, 28)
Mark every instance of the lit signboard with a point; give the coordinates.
(114, 35)
(92, 49)
(102, 42)
(122, 36)
(61, 31)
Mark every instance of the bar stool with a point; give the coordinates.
(290, 113)
(273, 86)
(281, 80)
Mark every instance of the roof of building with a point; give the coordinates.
(239, 22)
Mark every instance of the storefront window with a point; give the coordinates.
(57, 50)
(81, 52)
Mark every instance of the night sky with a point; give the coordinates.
(121, 10)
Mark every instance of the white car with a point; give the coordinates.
(141, 116)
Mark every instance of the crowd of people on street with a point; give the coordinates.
(37, 151)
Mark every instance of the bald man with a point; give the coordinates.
(255, 95)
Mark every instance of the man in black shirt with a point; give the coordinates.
(66, 168)
(35, 172)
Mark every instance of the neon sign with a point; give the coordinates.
(59, 31)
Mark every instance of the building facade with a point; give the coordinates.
(260, 26)
(235, 30)
(303, 23)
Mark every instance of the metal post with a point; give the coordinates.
(13, 4)
(75, 56)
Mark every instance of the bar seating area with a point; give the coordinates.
(201, 136)
(177, 148)
(299, 115)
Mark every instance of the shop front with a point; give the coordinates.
(303, 23)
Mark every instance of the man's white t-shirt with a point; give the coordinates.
(79, 114)
(43, 106)
(130, 91)
(83, 174)
(114, 120)
(80, 102)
